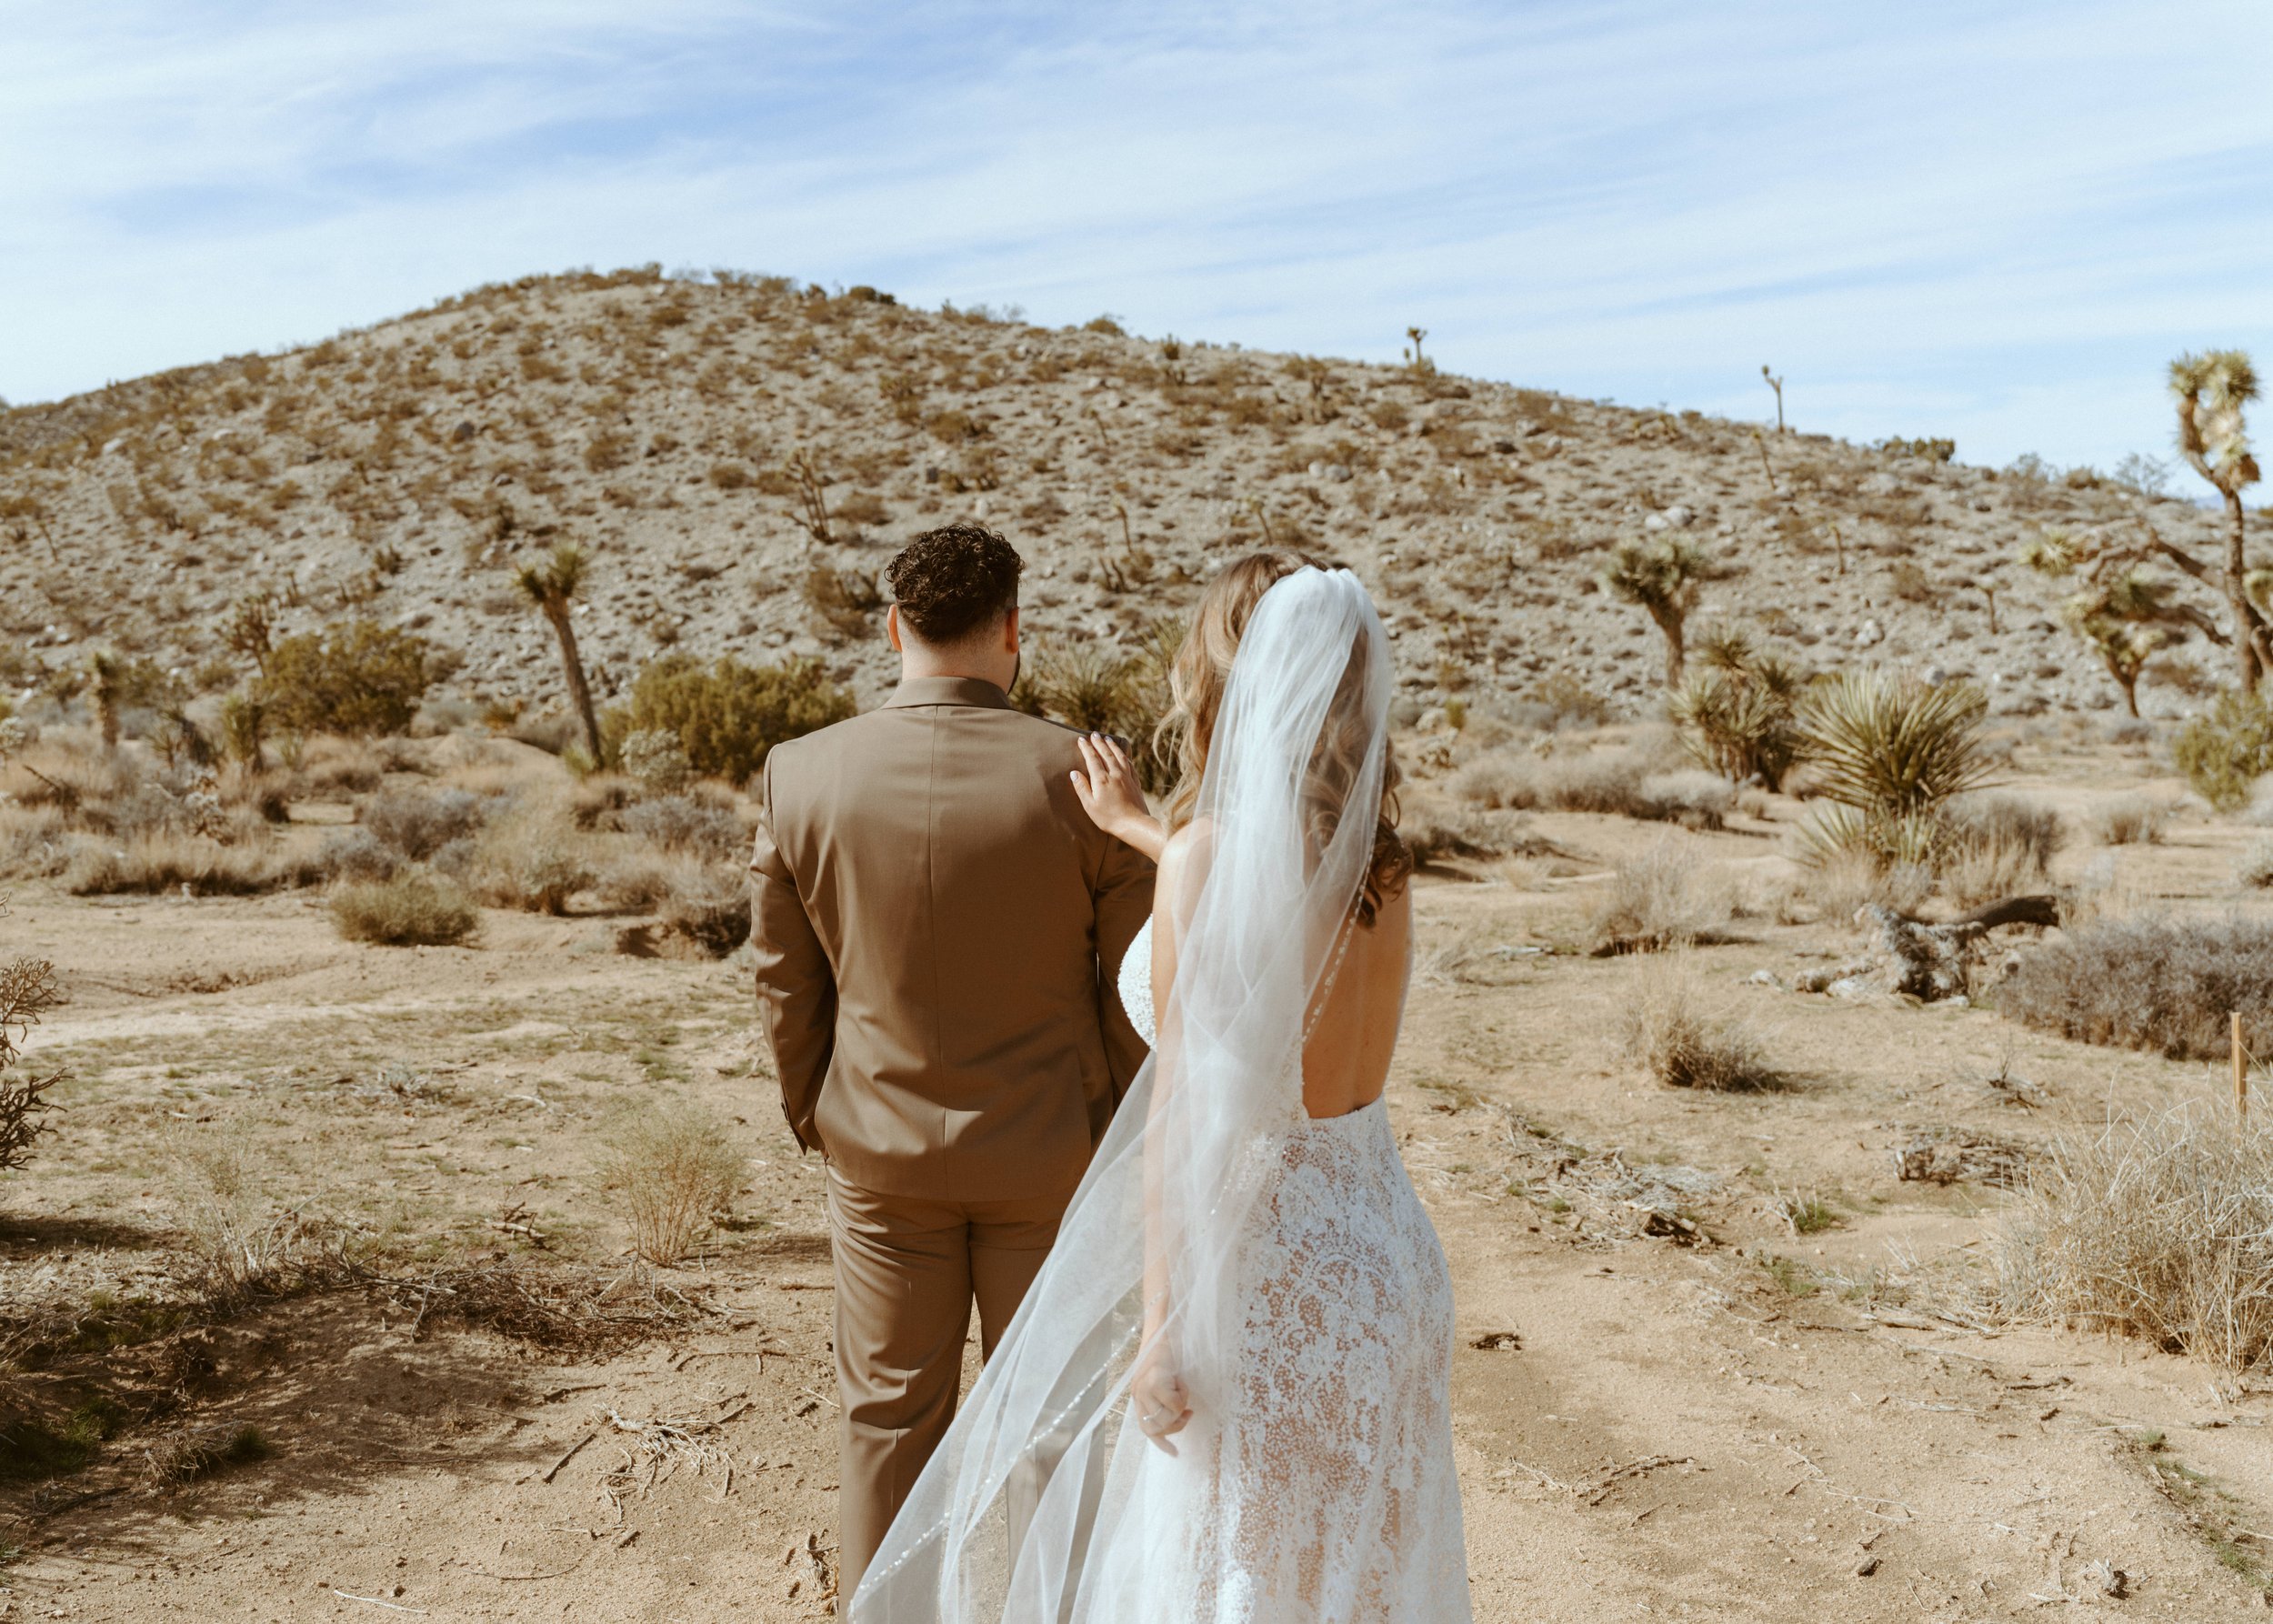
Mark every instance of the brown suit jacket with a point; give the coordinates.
(938, 925)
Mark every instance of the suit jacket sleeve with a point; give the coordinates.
(797, 985)
(1124, 901)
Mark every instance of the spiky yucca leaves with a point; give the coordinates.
(1737, 716)
(553, 586)
(1891, 751)
(1664, 577)
(2213, 390)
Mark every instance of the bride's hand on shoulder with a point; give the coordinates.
(1158, 1394)
(1111, 796)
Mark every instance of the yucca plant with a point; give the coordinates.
(1738, 716)
(2213, 391)
(1891, 751)
(1664, 577)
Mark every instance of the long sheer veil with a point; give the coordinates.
(1045, 1504)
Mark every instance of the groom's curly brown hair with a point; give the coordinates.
(950, 582)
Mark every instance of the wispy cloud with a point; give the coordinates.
(1996, 221)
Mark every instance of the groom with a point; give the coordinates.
(938, 928)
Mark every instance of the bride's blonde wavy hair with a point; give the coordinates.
(1195, 689)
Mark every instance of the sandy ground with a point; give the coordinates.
(1738, 1423)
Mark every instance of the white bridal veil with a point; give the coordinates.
(1045, 1504)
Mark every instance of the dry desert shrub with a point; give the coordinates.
(2254, 868)
(677, 1169)
(28, 989)
(708, 905)
(687, 823)
(1625, 783)
(151, 862)
(2151, 982)
(1663, 898)
(1669, 1031)
(1842, 884)
(2159, 1228)
(532, 858)
(1994, 847)
(2135, 820)
(403, 911)
(244, 1243)
(335, 769)
(417, 824)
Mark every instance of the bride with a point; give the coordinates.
(1226, 1398)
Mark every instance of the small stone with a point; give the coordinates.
(1866, 1566)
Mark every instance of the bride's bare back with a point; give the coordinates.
(1345, 1062)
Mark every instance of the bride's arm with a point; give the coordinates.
(1114, 800)
(1163, 1402)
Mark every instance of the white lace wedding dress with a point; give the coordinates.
(1336, 1501)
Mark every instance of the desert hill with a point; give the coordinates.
(740, 455)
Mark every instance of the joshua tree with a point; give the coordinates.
(2127, 615)
(110, 686)
(1413, 355)
(2212, 390)
(553, 587)
(1776, 384)
(2126, 645)
(1665, 577)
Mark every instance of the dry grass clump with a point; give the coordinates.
(2135, 820)
(2255, 866)
(407, 910)
(1842, 884)
(245, 1243)
(151, 862)
(2151, 982)
(1625, 783)
(2159, 1228)
(1668, 1031)
(677, 1170)
(1663, 898)
(195, 1452)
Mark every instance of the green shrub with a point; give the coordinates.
(411, 910)
(726, 716)
(2225, 749)
(359, 678)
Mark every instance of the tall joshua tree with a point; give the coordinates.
(553, 586)
(2212, 391)
(109, 688)
(1664, 577)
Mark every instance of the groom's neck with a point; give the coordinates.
(992, 656)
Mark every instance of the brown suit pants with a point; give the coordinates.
(908, 1271)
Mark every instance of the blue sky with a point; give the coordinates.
(1992, 221)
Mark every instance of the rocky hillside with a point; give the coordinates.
(741, 455)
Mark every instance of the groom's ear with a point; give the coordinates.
(892, 627)
(1010, 631)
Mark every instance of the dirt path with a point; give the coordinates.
(1733, 1422)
